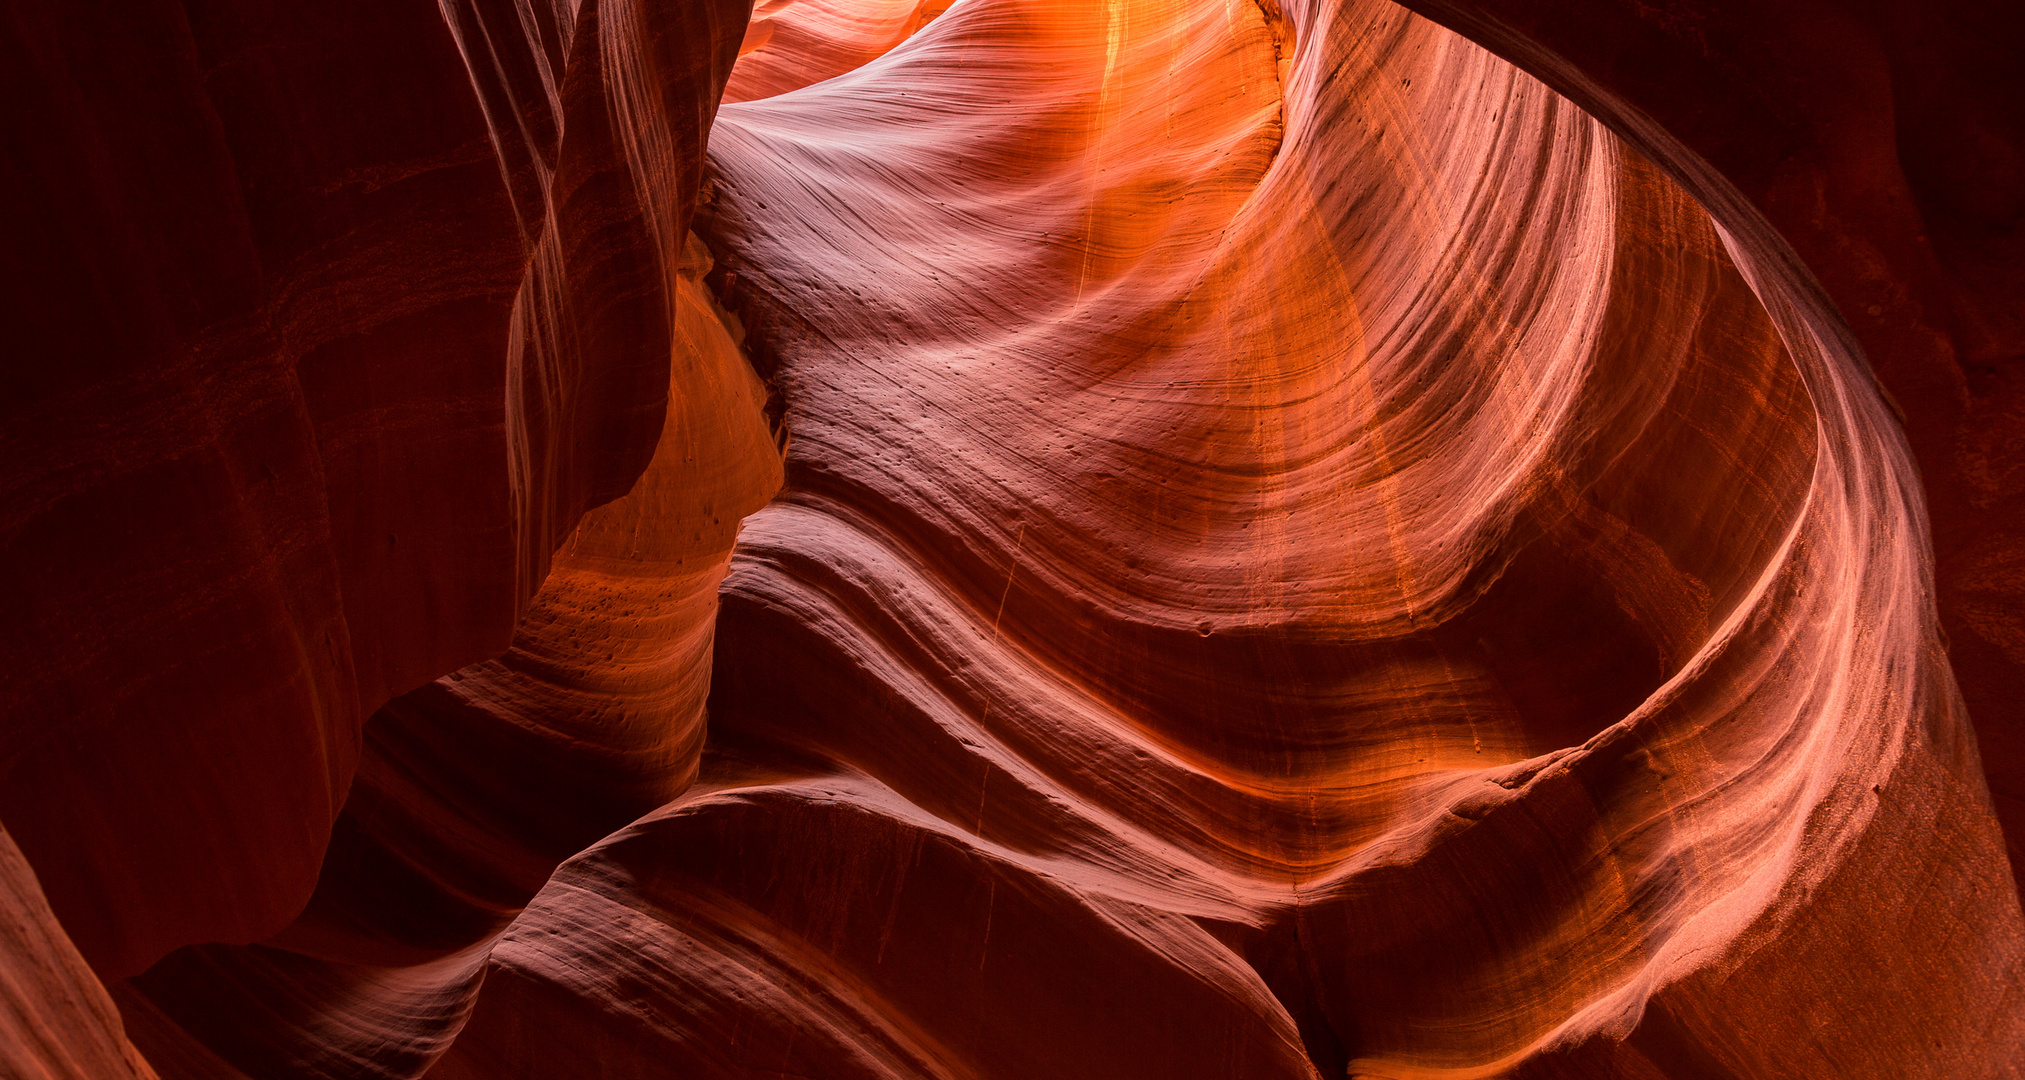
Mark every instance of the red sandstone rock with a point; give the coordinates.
(472, 789)
(327, 336)
(56, 1022)
(1886, 144)
(1303, 553)
(1292, 531)
(795, 43)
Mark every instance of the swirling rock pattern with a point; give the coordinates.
(1299, 551)
(471, 790)
(795, 43)
(332, 321)
(1886, 144)
(1302, 555)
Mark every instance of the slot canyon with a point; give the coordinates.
(1013, 539)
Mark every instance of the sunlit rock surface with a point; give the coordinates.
(472, 789)
(56, 1021)
(1298, 551)
(795, 43)
(1885, 143)
(1301, 554)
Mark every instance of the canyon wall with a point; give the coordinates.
(333, 321)
(1223, 537)
(1303, 553)
(1884, 143)
(56, 1020)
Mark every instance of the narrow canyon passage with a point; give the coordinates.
(1300, 552)
(1188, 538)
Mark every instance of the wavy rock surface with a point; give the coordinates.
(471, 790)
(1302, 555)
(56, 1022)
(795, 43)
(332, 322)
(1885, 143)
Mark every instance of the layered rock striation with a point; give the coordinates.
(472, 789)
(1138, 538)
(1302, 553)
(1885, 144)
(332, 323)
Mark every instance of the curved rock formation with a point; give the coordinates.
(1302, 554)
(56, 1022)
(1886, 144)
(795, 43)
(327, 336)
(471, 789)
(1220, 537)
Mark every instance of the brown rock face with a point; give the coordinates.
(332, 321)
(795, 43)
(56, 1022)
(1302, 554)
(1886, 144)
(472, 789)
(1166, 538)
